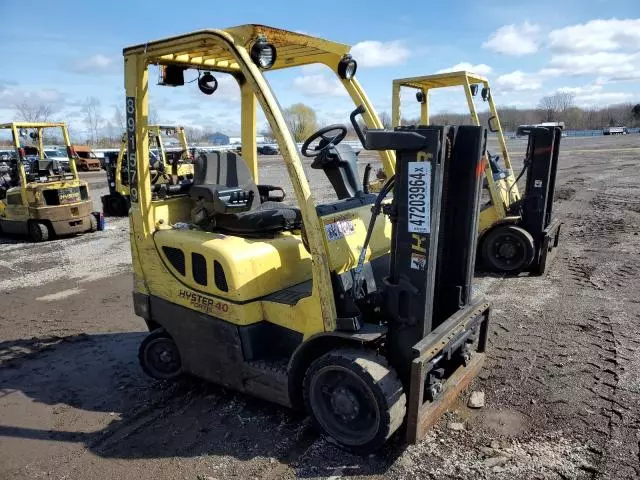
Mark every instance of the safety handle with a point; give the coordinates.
(356, 126)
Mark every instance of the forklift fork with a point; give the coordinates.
(422, 411)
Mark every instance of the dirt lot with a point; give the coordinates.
(563, 393)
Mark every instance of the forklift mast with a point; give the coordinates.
(542, 155)
(434, 214)
(537, 203)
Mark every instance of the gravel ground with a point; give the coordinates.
(561, 384)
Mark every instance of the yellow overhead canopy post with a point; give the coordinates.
(40, 143)
(21, 173)
(67, 142)
(249, 131)
(424, 107)
(396, 112)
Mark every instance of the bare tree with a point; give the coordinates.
(385, 118)
(564, 101)
(553, 106)
(33, 112)
(267, 133)
(119, 119)
(548, 107)
(92, 117)
(154, 118)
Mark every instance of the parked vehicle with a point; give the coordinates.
(268, 150)
(87, 161)
(615, 131)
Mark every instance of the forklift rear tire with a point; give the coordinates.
(159, 356)
(38, 232)
(508, 248)
(355, 398)
(93, 223)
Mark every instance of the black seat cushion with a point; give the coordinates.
(268, 218)
(228, 169)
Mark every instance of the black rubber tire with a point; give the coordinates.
(149, 356)
(118, 205)
(93, 223)
(367, 385)
(38, 232)
(508, 249)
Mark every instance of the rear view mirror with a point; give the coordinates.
(486, 93)
(23, 132)
(34, 135)
(474, 89)
(493, 124)
(171, 75)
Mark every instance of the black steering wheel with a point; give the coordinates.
(327, 140)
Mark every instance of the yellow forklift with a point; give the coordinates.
(516, 232)
(168, 166)
(359, 310)
(40, 197)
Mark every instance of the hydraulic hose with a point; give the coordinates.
(375, 211)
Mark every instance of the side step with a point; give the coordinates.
(439, 345)
(268, 380)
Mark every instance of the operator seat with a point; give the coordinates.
(215, 170)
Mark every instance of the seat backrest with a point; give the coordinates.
(224, 168)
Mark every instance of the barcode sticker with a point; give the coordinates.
(419, 197)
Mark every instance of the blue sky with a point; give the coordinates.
(64, 52)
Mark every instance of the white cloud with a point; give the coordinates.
(319, 85)
(518, 81)
(11, 95)
(515, 40)
(597, 36)
(372, 53)
(480, 69)
(584, 90)
(602, 99)
(605, 64)
(593, 95)
(93, 63)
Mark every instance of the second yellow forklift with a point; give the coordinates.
(168, 166)
(517, 232)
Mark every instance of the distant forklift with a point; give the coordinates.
(359, 309)
(516, 233)
(41, 197)
(168, 166)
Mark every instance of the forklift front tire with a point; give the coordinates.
(159, 356)
(38, 232)
(508, 249)
(355, 398)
